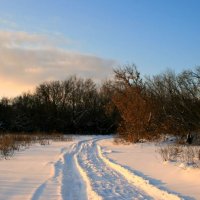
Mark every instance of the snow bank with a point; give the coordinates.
(143, 160)
(139, 181)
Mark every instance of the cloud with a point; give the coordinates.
(8, 23)
(29, 59)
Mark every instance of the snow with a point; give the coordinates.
(143, 160)
(139, 181)
(94, 168)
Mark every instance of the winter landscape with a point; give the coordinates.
(99, 100)
(93, 167)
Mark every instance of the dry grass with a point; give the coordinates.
(188, 155)
(10, 143)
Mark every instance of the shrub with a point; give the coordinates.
(9, 143)
(188, 155)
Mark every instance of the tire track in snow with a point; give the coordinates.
(91, 194)
(69, 181)
(84, 173)
(138, 181)
(73, 186)
(76, 184)
(106, 182)
(65, 182)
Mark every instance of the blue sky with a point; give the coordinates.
(153, 34)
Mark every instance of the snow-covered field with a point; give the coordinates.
(92, 167)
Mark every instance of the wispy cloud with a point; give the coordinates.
(8, 23)
(28, 59)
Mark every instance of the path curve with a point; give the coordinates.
(83, 172)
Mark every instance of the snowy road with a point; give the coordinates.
(83, 172)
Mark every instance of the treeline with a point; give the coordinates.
(72, 106)
(134, 106)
